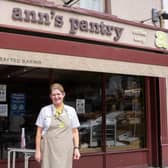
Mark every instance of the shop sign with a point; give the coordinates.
(79, 25)
(140, 36)
(18, 61)
(161, 40)
(33, 17)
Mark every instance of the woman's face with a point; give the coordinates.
(57, 97)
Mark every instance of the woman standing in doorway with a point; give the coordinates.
(57, 136)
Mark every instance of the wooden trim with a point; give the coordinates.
(55, 46)
(127, 160)
(163, 111)
(155, 123)
(163, 122)
(80, 38)
(103, 80)
(107, 5)
(148, 119)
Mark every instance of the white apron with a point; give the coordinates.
(57, 143)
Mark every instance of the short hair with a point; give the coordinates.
(57, 86)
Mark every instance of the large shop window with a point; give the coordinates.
(110, 107)
(124, 113)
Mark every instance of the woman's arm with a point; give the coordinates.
(38, 144)
(76, 143)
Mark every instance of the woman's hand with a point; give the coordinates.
(76, 143)
(38, 156)
(76, 154)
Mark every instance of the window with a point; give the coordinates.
(119, 102)
(125, 117)
(165, 7)
(97, 5)
(85, 95)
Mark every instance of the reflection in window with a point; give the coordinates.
(85, 95)
(125, 120)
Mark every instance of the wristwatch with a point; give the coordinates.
(76, 147)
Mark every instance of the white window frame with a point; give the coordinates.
(97, 5)
(165, 7)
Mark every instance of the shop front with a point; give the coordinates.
(114, 73)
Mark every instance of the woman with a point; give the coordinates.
(57, 137)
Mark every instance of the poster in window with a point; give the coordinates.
(2, 93)
(80, 105)
(17, 104)
(3, 110)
